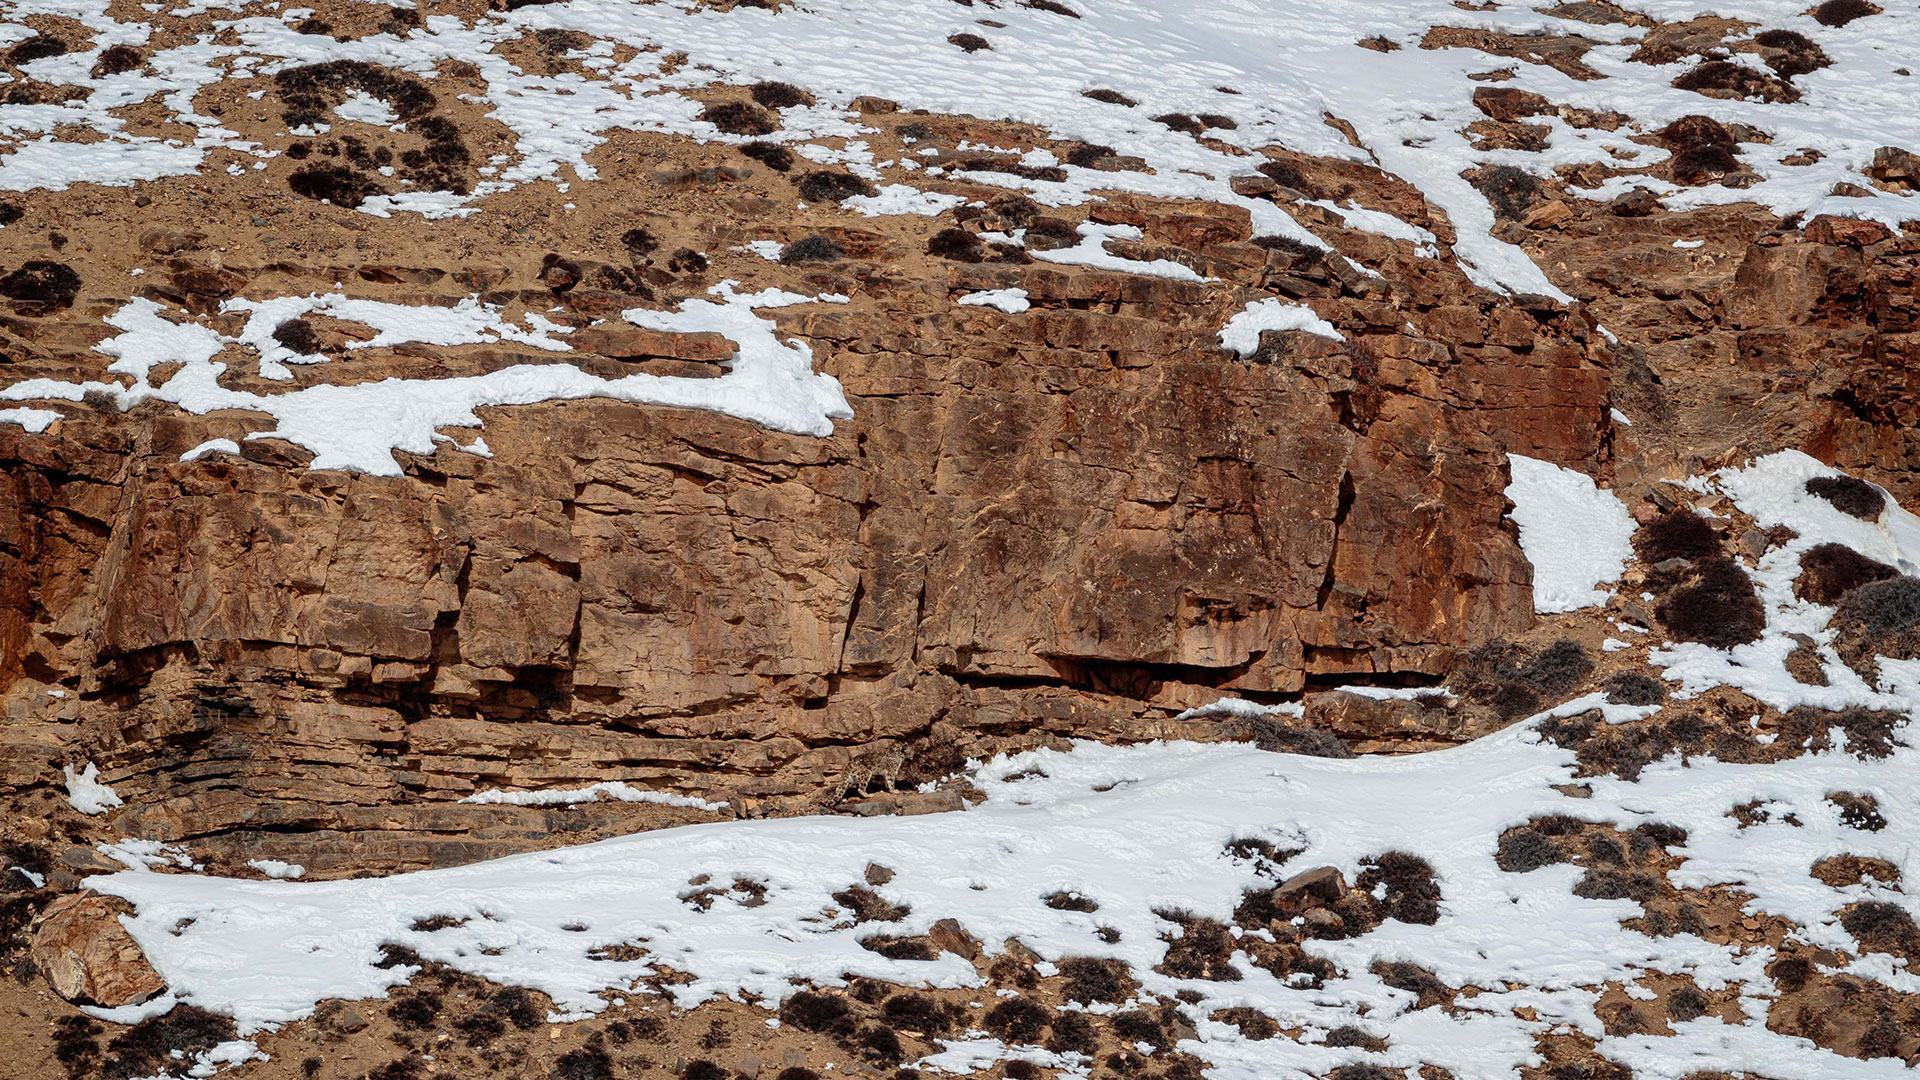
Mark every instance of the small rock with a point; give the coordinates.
(343, 1017)
(1636, 203)
(951, 937)
(1321, 919)
(1322, 882)
(1547, 215)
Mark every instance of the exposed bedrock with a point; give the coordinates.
(1075, 522)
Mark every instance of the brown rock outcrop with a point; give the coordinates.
(88, 957)
(1078, 520)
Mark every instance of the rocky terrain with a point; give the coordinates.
(438, 434)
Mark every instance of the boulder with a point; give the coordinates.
(88, 957)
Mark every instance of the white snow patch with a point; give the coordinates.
(365, 108)
(1092, 251)
(615, 790)
(274, 868)
(86, 793)
(34, 421)
(1242, 332)
(1011, 301)
(1576, 535)
(211, 446)
(903, 199)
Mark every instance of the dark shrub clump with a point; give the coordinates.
(1510, 190)
(307, 92)
(1110, 97)
(1881, 926)
(956, 244)
(149, 1046)
(298, 335)
(1275, 736)
(772, 155)
(825, 185)
(1880, 618)
(1558, 668)
(1858, 810)
(811, 249)
(778, 95)
(1604, 884)
(1849, 495)
(1091, 980)
(1140, 1026)
(415, 1011)
(588, 1063)
(969, 42)
(1634, 688)
(117, 60)
(1525, 849)
(917, 1012)
(739, 118)
(1512, 681)
(1842, 12)
(334, 184)
(1716, 606)
(1726, 79)
(41, 281)
(810, 1010)
(1677, 534)
(1869, 732)
(37, 47)
(1687, 1003)
(1830, 571)
(1405, 885)
(1072, 1033)
(1070, 901)
(1016, 1020)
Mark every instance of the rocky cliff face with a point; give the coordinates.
(1077, 521)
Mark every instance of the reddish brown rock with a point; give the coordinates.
(88, 957)
(1078, 521)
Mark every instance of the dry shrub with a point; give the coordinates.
(1830, 571)
(1715, 605)
(1679, 533)
(1849, 495)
